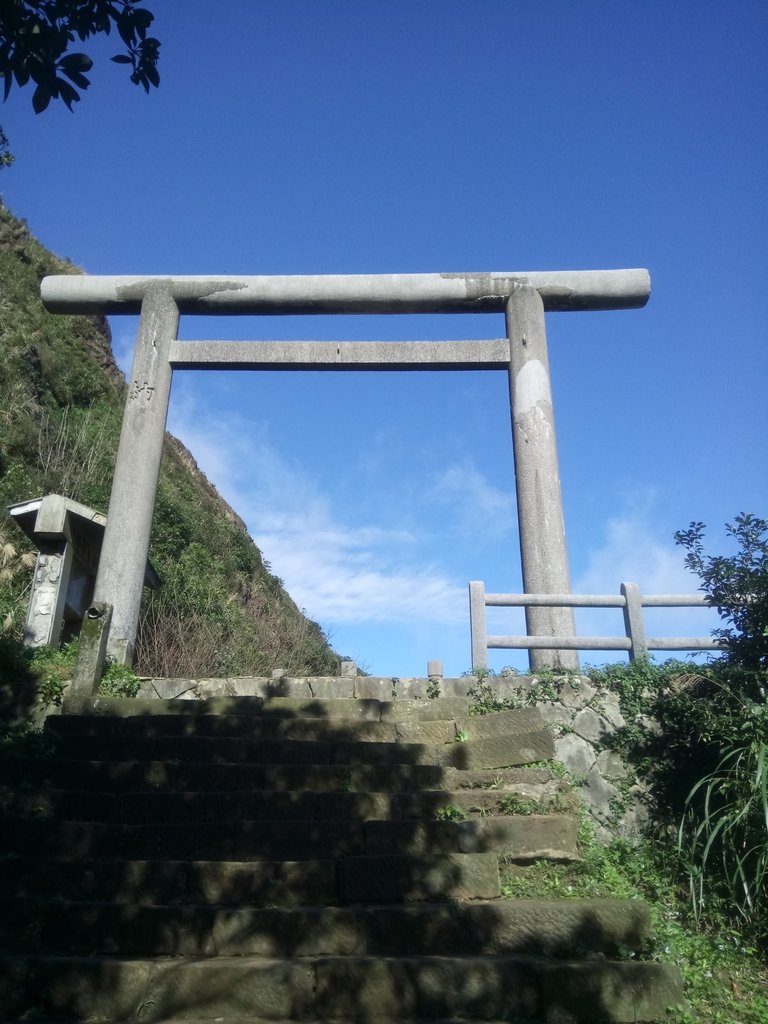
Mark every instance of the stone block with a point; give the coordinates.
(500, 723)
(565, 927)
(418, 730)
(423, 988)
(424, 709)
(609, 705)
(327, 708)
(592, 727)
(576, 692)
(610, 765)
(167, 689)
(88, 988)
(598, 794)
(575, 753)
(616, 991)
(281, 932)
(556, 714)
(279, 883)
(230, 987)
(318, 687)
(400, 877)
(531, 837)
(498, 751)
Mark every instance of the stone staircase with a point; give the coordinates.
(305, 858)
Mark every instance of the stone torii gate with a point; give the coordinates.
(523, 297)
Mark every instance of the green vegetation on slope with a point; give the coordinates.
(220, 611)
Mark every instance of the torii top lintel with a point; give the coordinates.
(560, 290)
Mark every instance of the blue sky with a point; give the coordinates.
(459, 135)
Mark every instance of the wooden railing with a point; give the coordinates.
(630, 600)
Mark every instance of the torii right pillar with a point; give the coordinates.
(543, 551)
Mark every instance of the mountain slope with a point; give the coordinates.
(220, 611)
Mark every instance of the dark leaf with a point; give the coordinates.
(152, 75)
(80, 80)
(121, 58)
(75, 62)
(126, 28)
(41, 98)
(67, 93)
(143, 17)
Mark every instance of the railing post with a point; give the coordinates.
(537, 478)
(91, 653)
(477, 624)
(633, 621)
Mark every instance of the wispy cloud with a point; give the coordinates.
(339, 573)
(478, 506)
(631, 550)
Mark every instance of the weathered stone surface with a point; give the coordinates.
(423, 708)
(279, 883)
(575, 753)
(277, 932)
(592, 727)
(499, 751)
(420, 731)
(576, 692)
(501, 723)
(406, 988)
(167, 689)
(323, 687)
(598, 795)
(531, 837)
(87, 987)
(328, 708)
(403, 877)
(555, 714)
(609, 706)
(231, 987)
(618, 991)
(611, 765)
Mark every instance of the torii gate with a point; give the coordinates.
(523, 297)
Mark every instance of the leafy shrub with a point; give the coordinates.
(738, 585)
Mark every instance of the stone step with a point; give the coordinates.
(131, 775)
(139, 807)
(411, 729)
(311, 882)
(254, 727)
(492, 752)
(522, 838)
(550, 927)
(328, 988)
(363, 709)
(534, 837)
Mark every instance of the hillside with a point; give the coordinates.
(220, 611)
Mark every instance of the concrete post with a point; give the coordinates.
(634, 622)
(91, 653)
(539, 499)
(129, 519)
(477, 625)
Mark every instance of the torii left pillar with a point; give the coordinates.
(129, 521)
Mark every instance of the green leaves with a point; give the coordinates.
(737, 585)
(36, 34)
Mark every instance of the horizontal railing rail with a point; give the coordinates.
(630, 600)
